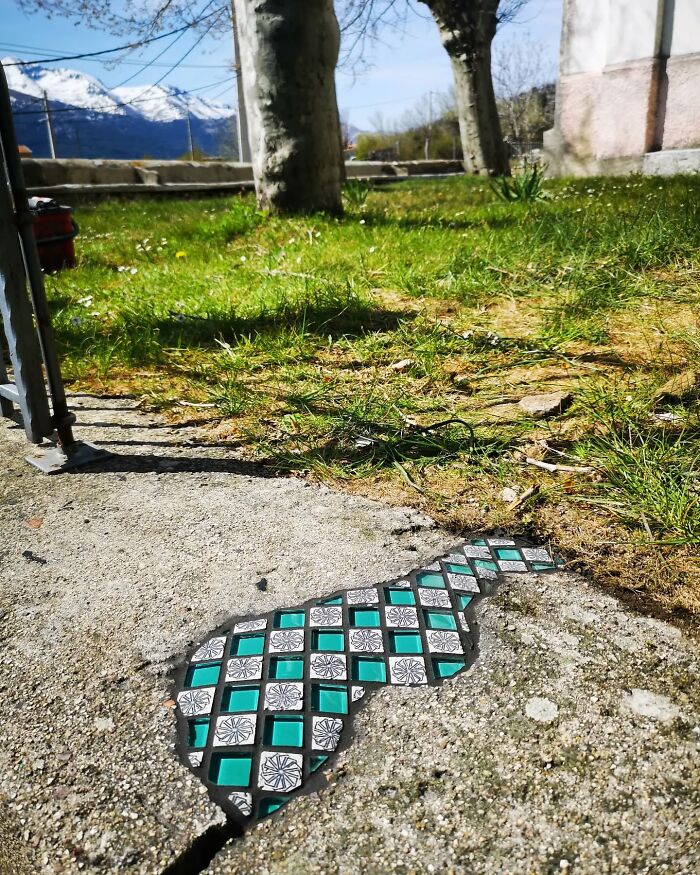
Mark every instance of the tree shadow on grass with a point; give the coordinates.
(139, 336)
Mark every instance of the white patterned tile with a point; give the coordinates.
(356, 693)
(211, 649)
(463, 582)
(244, 668)
(487, 573)
(442, 641)
(407, 670)
(242, 801)
(326, 615)
(234, 729)
(366, 641)
(476, 552)
(456, 559)
(402, 584)
(194, 702)
(500, 542)
(511, 565)
(401, 617)
(328, 666)
(284, 696)
(249, 626)
(434, 598)
(280, 772)
(287, 641)
(325, 733)
(435, 566)
(195, 758)
(368, 596)
(536, 554)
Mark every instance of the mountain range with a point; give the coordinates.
(129, 121)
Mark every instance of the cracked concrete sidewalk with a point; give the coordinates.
(571, 745)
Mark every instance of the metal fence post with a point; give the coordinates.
(28, 325)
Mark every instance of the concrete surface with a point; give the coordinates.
(571, 745)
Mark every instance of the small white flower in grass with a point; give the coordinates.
(133, 270)
(372, 249)
(362, 222)
(86, 301)
(243, 258)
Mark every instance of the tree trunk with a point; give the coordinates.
(467, 30)
(289, 51)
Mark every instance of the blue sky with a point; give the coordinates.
(404, 66)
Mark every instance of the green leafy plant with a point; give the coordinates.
(356, 192)
(523, 187)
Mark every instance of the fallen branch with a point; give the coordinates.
(192, 404)
(552, 468)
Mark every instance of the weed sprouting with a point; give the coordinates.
(523, 187)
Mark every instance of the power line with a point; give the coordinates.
(123, 48)
(9, 47)
(161, 53)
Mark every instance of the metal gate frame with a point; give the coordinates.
(27, 322)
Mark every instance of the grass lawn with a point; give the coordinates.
(385, 353)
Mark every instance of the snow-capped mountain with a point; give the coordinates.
(163, 103)
(93, 121)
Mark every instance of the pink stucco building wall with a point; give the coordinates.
(628, 94)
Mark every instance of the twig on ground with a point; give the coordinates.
(521, 499)
(552, 468)
(192, 404)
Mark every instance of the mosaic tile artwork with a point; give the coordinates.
(265, 702)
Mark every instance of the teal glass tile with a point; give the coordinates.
(327, 639)
(508, 554)
(269, 804)
(405, 642)
(287, 668)
(464, 600)
(247, 645)
(459, 569)
(198, 731)
(289, 620)
(364, 617)
(486, 563)
(327, 697)
(240, 699)
(366, 668)
(316, 763)
(284, 730)
(399, 596)
(338, 600)
(542, 566)
(203, 675)
(445, 668)
(229, 770)
(439, 620)
(430, 579)
(479, 543)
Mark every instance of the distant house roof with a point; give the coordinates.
(24, 150)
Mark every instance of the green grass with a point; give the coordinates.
(377, 351)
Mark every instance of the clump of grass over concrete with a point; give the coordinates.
(386, 352)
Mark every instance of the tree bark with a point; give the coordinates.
(467, 29)
(289, 51)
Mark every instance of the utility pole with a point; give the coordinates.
(243, 142)
(430, 125)
(49, 127)
(190, 141)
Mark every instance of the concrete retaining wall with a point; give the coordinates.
(77, 176)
